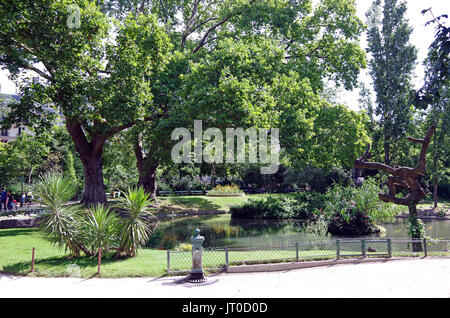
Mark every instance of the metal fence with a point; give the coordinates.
(221, 258)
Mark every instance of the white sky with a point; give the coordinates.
(421, 38)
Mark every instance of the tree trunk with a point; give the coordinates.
(435, 193)
(29, 175)
(147, 170)
(91, 156)
(147, 178)
(387, 158)
(416, 245)
(94, 188)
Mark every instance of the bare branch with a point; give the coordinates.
(202, 41)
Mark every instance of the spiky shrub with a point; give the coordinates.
(61, 224)
(135, 226)
(101, 229)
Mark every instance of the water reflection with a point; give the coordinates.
(224, 231)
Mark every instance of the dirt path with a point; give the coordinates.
(405, 278)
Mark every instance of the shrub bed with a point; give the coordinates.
(356, 224)
(303, 205)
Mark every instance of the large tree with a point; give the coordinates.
(95, 74)
(439, 115)
(438, 63)
(392, 60)
(242, 63)
(434, 96)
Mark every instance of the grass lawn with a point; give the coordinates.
(201, 203)
(16, 249)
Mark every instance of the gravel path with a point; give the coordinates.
(405, 278)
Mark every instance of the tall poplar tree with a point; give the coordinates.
(392, 61)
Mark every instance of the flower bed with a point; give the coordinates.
(226, 191)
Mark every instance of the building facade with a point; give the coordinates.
(8, 135)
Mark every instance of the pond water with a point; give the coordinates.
(222, 231)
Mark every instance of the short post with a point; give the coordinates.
(425, 248)
(389, 247)
(32, 261)
(227, 264)
(363, 248)
(196, 274)
(338, 249)
(296, 252)
(99, 260)
(168, 261)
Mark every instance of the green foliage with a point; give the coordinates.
(309, 205)
(69, 227)
(303, 205)
(185, 247)
(101, 229)
(357, 210)
(186, 183)
(23, 156)
(340, 137)
(348, 201)
(391, 67)
(69, 169)
(268, 208)
(315, 179)
(135, 226)
(316, 231)
(356, 223)
(438, 66)
(416, 228)
(61, 226)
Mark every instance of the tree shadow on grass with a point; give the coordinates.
(194, 203)
(16, 232)
(60, 263)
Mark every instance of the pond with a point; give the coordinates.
(222, 231)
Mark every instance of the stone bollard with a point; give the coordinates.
(196, 274)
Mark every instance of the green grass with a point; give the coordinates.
(201, 203)
(16, 249)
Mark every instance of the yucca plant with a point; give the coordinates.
(101, 229)
(61, 225)
(135, 226)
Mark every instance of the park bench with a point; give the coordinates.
(197, 192)
(182, 192)
(165, 193)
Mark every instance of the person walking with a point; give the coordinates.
(3, 200)
(30, 197)
(9, 200)
(23, 199)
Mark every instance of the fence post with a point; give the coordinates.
(227, 264)
(296, 252)
(338, 249)
(363, 247)
(168, 261)
(425, 250)
(389, 247)
(32, 261)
